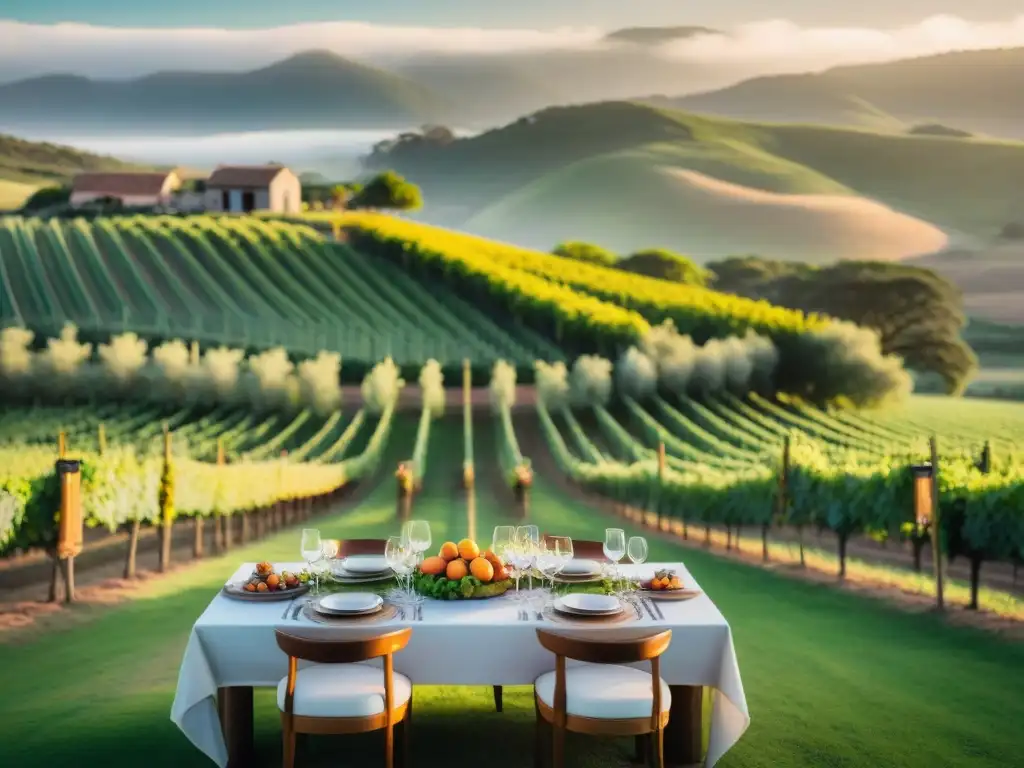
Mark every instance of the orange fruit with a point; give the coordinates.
(492, 558)
(468, 550)
(482, 569)
(500, 574)
(262, 587)
(449, 551)
(433, 566)
(456, 570)
(273, 580)
(250, 587)
(675, 583)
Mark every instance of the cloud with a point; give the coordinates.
(123, 52)
(765, 46)
(779, 43)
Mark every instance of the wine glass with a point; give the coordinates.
(529, 538)
(418, 535)
(398, 556)
(560, 549)
(312, 551)
(636, 548)
(503, 534)
(614, 548)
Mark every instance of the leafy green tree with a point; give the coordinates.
(664, 264)
(388, 190)
(589, 252)
(918, 314)
(47, 196)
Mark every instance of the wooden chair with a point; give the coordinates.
(602, 697)
(586, 550)
(347, 547)
(337, 694)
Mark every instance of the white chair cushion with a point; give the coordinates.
(342, 690)
(604, 691)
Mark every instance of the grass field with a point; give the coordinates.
(14, 193)
(831, 679)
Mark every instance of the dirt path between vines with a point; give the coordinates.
(533, 445)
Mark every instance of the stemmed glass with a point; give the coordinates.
(417, 533)
(502, 537)
(514, 555)
(557, 551)
(400, 558)
(636, 548)
(312, 552)
(614, 549)
(529, 538)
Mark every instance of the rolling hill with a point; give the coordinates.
(628, 175)
(980, 91)
(25, 166)
(315, 89)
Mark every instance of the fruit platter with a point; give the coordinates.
(667, 585)
(266, 584)
(462, 572)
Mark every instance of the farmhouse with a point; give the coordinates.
(141, 190)
(244, 188)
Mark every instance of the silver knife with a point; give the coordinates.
(657, 609)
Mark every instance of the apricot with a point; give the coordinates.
(449, 551)
(675, 583)
(262, 587)
(273, 580)
(250, 587)
(456, 570)
(468, 550)
(433, 566)
(492, 558)
(482, 569)
(500, 573)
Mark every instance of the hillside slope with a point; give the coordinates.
(622, 174)
(27, 165)
(315, 89)
(980, 91)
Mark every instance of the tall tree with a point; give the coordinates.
(918, 314)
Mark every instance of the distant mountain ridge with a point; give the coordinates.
(980, 91)
(315, 89)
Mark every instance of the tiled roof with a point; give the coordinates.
(243, 176)
(120, 183)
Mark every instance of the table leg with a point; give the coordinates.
(684, 734)
(235, 707)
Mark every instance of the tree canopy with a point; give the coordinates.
(664, 264)
(588, 252)
(387, 190)
(918, 314)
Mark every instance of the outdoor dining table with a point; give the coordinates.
(232, 649)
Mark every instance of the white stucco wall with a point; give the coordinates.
(81, 198)
(286, 193)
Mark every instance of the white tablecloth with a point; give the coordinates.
(232, 644)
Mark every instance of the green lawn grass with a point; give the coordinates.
(832, 679)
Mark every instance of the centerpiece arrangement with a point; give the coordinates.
(462, 572)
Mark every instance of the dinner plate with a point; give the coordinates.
(670, 594)
(365, 565)
(341, 576)
(349, 603)
(580, 568)
(588, 605)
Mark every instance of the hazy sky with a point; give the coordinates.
(491, 13)
(128, 38)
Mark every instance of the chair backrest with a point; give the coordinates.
(334, 651)
(624, 651)
(587, 550)
(349, 547)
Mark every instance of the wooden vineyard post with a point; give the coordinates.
(101, 438)
(69, 537)
(936, 526)
(166, 503)
(661, 486)
(468, 472)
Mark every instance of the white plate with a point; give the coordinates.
(349, 603)
(580, 568)
(365, 565)
(589, 605)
